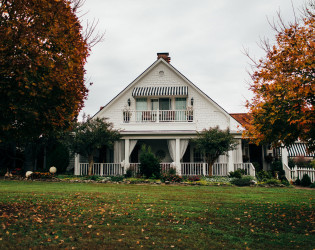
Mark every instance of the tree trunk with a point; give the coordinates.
(210, 168)
(91, 162)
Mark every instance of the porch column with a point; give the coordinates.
(177, 157)
(126, 155)
(230, 161)
(76, 164)
(284, 156)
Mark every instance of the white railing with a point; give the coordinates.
(247, 167)
(102, 169)
(298, 173)
(289, 174)
(189, 168)
(192, 168)
(134, 167)
(220, 169)
(158, 116)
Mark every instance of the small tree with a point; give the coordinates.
(149, 164)
(91, 135)
(214, 142)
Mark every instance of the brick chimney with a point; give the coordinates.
(164, 55)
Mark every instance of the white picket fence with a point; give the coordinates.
(298, 172)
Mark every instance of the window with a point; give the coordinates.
(180, 106)
(164, 104)
(180, 103)
(154, 104)
(141, 105)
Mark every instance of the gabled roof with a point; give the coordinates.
(143, 74)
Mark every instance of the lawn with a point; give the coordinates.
(119, 216)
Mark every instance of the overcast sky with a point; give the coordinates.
(205, 39)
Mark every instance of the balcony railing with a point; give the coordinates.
(158, 116)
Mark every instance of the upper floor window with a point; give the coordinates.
(161, 104)
(141, 104)
(180, 103)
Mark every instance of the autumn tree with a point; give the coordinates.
(214, 142)
(42, 59)
(282, 108)
(89, 136)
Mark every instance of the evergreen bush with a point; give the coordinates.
(306, 181)
(237, 173)
(149, 164)
(244, 181)
(263, 175)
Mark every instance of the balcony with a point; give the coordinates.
(135, 116)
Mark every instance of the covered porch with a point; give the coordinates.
(176, 152)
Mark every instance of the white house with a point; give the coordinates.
(163, 109)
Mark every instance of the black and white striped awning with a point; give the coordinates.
(299, 149)
(160, 91)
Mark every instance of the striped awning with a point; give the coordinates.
(160, 91)
(299, 149)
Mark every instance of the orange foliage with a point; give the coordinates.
(42, 58)
(283, 85)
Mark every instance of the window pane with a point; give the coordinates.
(164, 104)
(180, 103)
(141, 104)
(154, 104)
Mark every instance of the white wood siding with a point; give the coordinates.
(206, 114)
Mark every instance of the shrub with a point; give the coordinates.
(263, 175)
(276, 166)
(149, 164)
(171, 178)
(194, 178)
(306, 181)
(273, 181)
(312, 185)
(237, 173)
(257, 166)
(172, 171)
(92, 178)
(40, 175)
(297, 182)
(243, 181)
(129, 172)
(218, 179)
(285, 182)
(116, 178)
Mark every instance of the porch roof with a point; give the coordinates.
(161, 91)
(159, 132)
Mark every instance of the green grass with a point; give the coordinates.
(117, 216)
